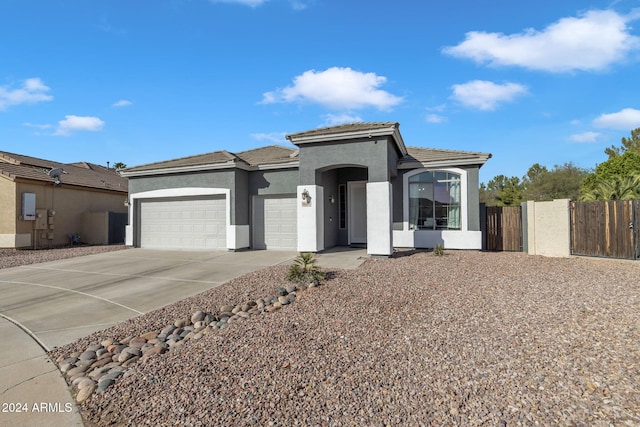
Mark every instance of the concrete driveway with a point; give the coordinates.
(61, 301)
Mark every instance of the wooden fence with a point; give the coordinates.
(605, 228)
(504, 228)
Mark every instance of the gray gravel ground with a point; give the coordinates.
(17, 257)
(469, 338)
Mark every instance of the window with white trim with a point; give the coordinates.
(434, 201)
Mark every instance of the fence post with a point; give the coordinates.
(483, 225)
(524, 221)
(635, 215)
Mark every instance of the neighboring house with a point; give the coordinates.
(355, 184)
(43, 202)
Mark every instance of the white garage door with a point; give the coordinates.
(193, 223)
(275, 223)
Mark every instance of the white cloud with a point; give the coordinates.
(590, 42)
(585, 137)
(437, 108)
(72, 124)
(435, 118)
(625, 119)
(252, 3)
(37, 126)
(485, 95)
(298, 5)
(277, 137)
(338, 119)
(32, 91)
(122, 103)
(295, 4)
(337, 88)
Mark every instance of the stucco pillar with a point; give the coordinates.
(310, 207)
(379, 218)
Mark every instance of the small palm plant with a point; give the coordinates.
(438, 250)
(304, 270)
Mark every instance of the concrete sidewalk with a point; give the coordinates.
(32, 390)
(58, 302)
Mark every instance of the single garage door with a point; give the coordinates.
(183, 223)
(275, 223)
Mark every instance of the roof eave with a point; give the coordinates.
(179, 169)
(479, 161)
(210, 167)
(367, 133)
(287, 165)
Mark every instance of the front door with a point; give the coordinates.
(357, 210)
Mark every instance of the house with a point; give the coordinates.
(43, 202)
(353, 184)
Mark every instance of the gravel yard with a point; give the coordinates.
(470, 338)
(17, 257)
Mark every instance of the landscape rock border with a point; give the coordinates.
(100, 366)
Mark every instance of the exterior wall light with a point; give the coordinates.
(305, 196)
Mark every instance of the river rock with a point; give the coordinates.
(198, 316)
(84, 393)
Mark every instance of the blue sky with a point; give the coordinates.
(149, 80)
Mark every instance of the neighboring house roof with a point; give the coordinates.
(350, 131)
(438, 157)
(256, 158)
(83, 174)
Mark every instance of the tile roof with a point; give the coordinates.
(272, 154)
(90, 175)
(213, 158)
(269, 155)
(349, 127)
(432, 155)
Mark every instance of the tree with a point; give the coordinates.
(502, 191)
(614, 188)
(617, 167)
(562, 182)
(539, 184)
(628, 145)
(119, 165)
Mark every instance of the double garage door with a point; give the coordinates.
(200, 223)
(183, 223)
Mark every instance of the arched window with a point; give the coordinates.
(434, 201)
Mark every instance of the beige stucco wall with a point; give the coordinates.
(8, 215)
(69, 203)
(95, 228)
(548, 228)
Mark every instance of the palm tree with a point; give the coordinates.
(615, 188)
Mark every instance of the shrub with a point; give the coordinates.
(304, 270)
(438, 250)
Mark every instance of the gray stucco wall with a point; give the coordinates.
(473, 197)
(271, 182)
(240, 197)
(370, 153)
(396, 187)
